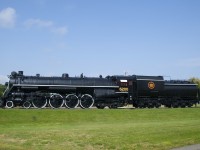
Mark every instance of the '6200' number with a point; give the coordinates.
(123, 89)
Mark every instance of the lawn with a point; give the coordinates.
(93, 129)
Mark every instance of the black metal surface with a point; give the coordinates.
(144, 84)
(32, 80)
(180, 90)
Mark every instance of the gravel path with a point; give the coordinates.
(191, 147)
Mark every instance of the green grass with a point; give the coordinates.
(99, 129)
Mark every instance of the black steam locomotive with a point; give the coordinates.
(112, 91)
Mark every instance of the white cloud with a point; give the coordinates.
(37, 23)
(3, 79)
(45, 24)
(7, 17)
(60, 30)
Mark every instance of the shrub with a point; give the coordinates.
(195, 80)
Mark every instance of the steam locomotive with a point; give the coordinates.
(86, 92)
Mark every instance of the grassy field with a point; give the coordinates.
(99, 129)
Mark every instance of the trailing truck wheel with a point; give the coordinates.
(56, 101)
(86, 101)
(27, 104)
(71, 101)
(9, 104)
(39, 102)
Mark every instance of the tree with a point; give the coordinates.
(195, 80)
(2, 88)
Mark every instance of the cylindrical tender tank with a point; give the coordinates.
(180, 89)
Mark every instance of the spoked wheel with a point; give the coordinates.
(71, 101)
(27, 104)
(56, 101)
(86, 101)
(9, 104)
(39, 102)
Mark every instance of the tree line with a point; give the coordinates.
(2, 89)
(193, 80)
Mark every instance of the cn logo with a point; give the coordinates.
(151, 85)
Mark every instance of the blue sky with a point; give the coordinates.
(108, 37)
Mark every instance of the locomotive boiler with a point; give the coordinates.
(113, 91)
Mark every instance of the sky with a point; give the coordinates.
(107, 37)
